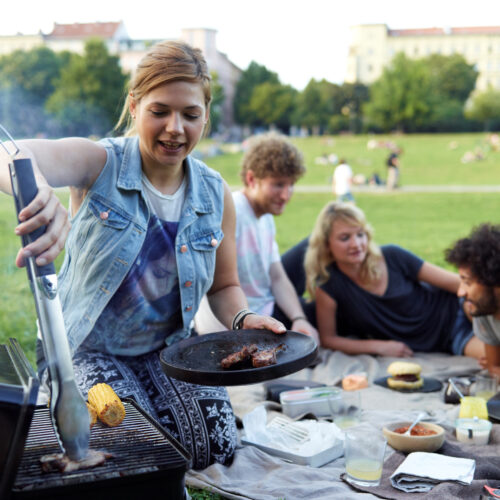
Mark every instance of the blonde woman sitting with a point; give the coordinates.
(380, 300)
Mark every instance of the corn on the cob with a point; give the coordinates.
(92, 414)
(110, 409)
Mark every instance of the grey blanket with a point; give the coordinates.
(258, 476)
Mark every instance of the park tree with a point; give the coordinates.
(273, 104)
(485, 107)
(252, 77)
(89, 91)
(452, 80)
(400, 98)
(316, 104)
(216, 103)
(26, 81)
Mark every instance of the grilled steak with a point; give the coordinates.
(265, 358)
(239, 356)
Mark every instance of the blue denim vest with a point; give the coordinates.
(100, 251)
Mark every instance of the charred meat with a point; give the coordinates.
(265, 358)
(239, 356)
(251, 353)
(58, 462)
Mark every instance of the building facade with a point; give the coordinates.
(373, 47)
(72, 37)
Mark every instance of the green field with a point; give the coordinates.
(426, 223)
(426, 159)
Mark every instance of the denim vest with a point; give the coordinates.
(101, 249)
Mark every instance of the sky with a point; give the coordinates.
(297, 40)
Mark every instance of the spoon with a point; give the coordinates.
(420, 416)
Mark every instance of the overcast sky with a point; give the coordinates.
(297, 40)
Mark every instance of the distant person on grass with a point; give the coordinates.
(393, 169)
(478, 260)
(270, 168)
(381, 300)
(342, 181)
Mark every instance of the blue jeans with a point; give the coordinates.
(461, 332)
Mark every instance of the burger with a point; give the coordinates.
(404, 375)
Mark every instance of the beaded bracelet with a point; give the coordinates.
(239, 318)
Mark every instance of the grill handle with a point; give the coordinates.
(67, 407)
(25, 189)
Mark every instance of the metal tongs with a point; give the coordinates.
(67, 407)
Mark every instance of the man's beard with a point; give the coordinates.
(486, 305)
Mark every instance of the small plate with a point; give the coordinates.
(197, 359)
(430, 385)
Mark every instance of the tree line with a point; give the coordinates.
(49, 93)
(432, 94)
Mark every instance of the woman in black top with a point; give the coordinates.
(389, 299)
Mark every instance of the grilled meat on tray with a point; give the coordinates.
(239, 356)
(258, 357)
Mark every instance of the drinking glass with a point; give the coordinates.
(364, 451)
(485, 386)
(346, 410)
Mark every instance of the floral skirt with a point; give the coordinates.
(200, 417)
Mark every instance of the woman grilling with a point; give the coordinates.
(152, 232)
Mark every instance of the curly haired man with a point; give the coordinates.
(478, 260)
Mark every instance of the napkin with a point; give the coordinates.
(421, 471)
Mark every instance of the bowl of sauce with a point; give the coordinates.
(423, 437)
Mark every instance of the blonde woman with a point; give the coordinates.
(380, 300)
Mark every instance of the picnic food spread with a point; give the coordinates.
(404, 375)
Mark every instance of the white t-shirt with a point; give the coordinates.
(487, 329)
(342, 177)
(256, 249)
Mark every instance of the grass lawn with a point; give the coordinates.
(426, 159)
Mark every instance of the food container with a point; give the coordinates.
(314, 400)
(408, 444)
(473, 430)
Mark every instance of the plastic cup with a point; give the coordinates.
(485, 386)
(346, 410)
(364, 456)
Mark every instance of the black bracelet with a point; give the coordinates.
(298, 317)
(239, 318)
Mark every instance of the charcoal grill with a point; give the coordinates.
(146, 459)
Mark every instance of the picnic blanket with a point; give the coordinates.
(259, 476)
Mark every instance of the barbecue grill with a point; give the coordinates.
(146, 459)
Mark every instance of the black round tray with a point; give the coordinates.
(197, 359)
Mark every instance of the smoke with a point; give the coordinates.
(24, 115)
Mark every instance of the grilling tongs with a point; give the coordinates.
(67, 407)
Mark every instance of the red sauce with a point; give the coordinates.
(418, 430)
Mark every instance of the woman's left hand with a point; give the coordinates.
(257, 322)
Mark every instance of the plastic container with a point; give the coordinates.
(473, 430)
(315, 401)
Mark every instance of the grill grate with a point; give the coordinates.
(139, 446)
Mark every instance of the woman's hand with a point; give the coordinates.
(257, 322)
(303, 326)
(44, 210)
(393, 348)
